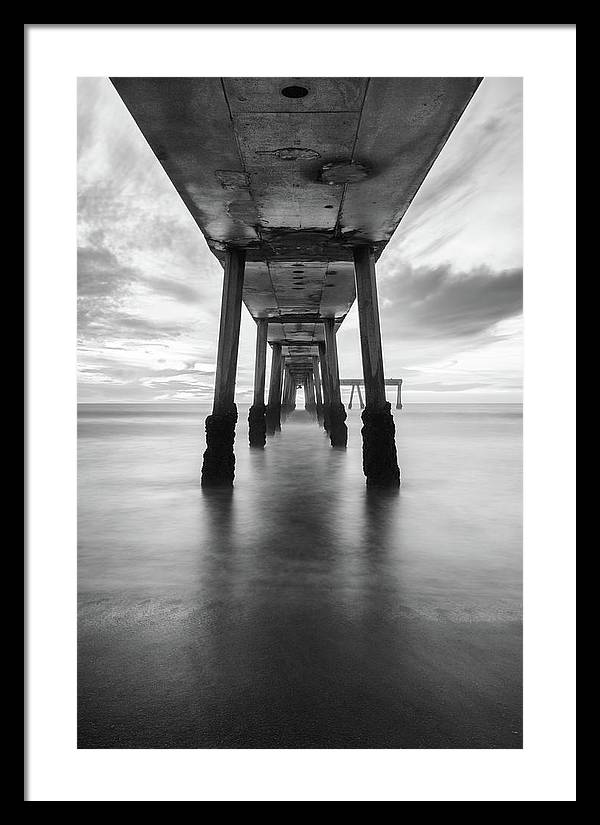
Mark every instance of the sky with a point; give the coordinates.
(449, 281)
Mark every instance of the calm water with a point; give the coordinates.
(300, 610)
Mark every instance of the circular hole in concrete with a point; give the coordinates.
(294, 91)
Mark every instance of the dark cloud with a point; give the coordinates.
(101, 275)
(438, 302)
(173, 289)
(103, 285)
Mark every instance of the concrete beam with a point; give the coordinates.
(300, 318)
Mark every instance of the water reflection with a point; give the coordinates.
(300, 609)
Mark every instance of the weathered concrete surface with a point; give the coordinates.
(218, 464)
(273, 413)
(380, 463)
(297, 181)
(218, 461)
(257, 428)
(337, 429)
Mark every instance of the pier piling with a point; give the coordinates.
(318, 393)
(273, 415)
(380, 462)
(218, 463)
(257, 427)
(338, 432)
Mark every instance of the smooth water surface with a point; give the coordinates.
(300, 610)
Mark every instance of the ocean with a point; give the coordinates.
(299, 610)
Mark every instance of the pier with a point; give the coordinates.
(355, 383)
(297, 185)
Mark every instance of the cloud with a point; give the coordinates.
(100, 274)
(172, 289)
(468, 209)
(439, 302)
(105, 286)
(439, 386)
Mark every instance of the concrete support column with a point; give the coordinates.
(257, 427)
(380, 461)
(360, 398)
(273, 416)
(286, 397)
(338, 432)
(284, 387)
(311, 404)
(294, 389)
(218, 464)
(291, 391)
(326, 385)
(399, 396)
(318, 393)
(285, 393)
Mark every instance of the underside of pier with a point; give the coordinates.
(297, 185)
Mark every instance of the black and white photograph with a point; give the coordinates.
(299, 442)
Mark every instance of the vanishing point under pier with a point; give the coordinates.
(297, 185)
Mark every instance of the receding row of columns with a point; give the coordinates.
(320, 381)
